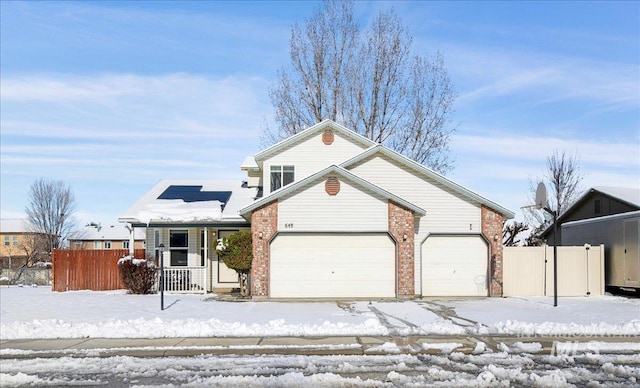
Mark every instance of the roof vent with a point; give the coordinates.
(328, 137)
(332, 185)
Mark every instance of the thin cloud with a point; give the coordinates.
(543, 77)
(521, 148)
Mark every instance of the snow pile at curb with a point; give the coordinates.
(158, 328)
(631, 328)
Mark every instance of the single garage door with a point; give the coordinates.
(332, 266)
(454, 266)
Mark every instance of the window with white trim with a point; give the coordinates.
(15, 241)
(179, 247)
(125, 244)
(7, 241)
(97, 245)
(281, 176)
(107, 245)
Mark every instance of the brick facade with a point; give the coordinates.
(401, 227)
(492, 223)
(264, 225)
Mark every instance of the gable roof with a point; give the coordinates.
(393, 155)
(192, 201)
(15, 225)
(321, 126)
(331, 170)
(627, 195)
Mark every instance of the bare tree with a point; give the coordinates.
(321, 57)
(564, 178)
(511, 231)
(368, 81)
(50, 211)
(35, 248)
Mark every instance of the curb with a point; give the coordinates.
(318, 346)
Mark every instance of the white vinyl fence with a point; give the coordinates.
(528, 271)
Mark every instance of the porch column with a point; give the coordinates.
(132, 239)
(206, 258)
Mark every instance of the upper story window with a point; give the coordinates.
(125, 244)
(7, 241)
(15, 241)
(97, 245)
(281, 176)
(107, 245)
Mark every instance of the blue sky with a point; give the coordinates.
(112, 97)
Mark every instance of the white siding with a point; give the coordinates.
(447, 212)
(193, 258)
(310, 156)
(351, 210)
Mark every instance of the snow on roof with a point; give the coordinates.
(107, 233)
(152, 208)
(249, 163)
(14, 225)
(626, 194)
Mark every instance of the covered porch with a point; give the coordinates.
(189, 258)
(184, 219)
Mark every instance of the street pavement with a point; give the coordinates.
(306, 345)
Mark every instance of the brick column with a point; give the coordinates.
(401, 227)
(492, 223)
(264, 225)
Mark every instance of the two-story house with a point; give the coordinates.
(95, 237)
(19, 245)
(334, 215)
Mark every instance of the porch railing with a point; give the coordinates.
(185, 280)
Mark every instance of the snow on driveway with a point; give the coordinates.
(37, 312)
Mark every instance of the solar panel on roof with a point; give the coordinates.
(194, 194)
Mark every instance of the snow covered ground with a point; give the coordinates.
(37, 312)
(400, 370)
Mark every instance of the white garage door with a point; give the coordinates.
(332, 266)
(454, 266)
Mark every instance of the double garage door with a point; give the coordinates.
(454, 266)
(332, 266)
(363, 265)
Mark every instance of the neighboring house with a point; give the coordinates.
(609, 216)
(336, 215)
(598, 201)
(19, 245)
(107, 237)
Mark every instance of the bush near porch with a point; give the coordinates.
(236, 252)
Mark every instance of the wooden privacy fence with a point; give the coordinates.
(528, 271)
(86, 269)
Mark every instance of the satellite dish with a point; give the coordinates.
(541, 196)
